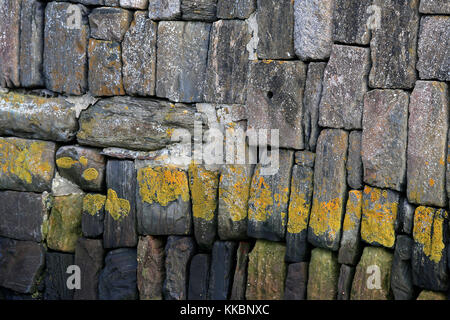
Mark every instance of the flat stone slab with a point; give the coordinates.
(151, 270)
(351, 21)
(134, 4)
(384, 138)
(109, 23)
(10, 43)
(344, 86)
(323, 275)
(199, 277)
(203, 10)
(164, 9)
(236, 9)
(222, 270)
(354, 162)
(26, 165)
(426, 153)
(434, 6)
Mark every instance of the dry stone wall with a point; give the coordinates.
(96, 93)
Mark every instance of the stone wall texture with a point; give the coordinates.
(99, 97)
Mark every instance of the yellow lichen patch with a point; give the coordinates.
(65, 162)
(203, 185)
(298, 212)
(118, 208)
(353, 210)
(379, 215)
(90, 174)
(261, 197)
(93, 203)
(431, 182)
(428, 231)
(235, 196)
(84, 161)
(162, 185)
(326, 217)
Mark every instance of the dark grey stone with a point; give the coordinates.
(56, 265)
(354, 162)
(89, 256)
(199, 277)
(92, 219)
(296, 281)
(350, 21)
(222, 268)
(235, 9)
(109, 23)
(204, 10)
(240, 273)
(401, 272)
(345, 282)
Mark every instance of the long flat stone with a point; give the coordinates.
(10, 43)
(151, 270)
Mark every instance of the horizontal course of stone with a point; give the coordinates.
(94, 92)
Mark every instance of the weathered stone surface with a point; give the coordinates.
(10, 43)
(354, 162)
(105, 68)
(222, 268)
(31, 43)
(21, 263)
(405, 217)
(313, 29)
(118, 279)
(429, 257)
(379, 215)
(179, 251)
(433, 52)
(56, 265)
(401, 277)
(431, 295)
(323, 275)
(34, 117)
(235, 9)
(133, 123)
(109, 23)
(120, 205)
(275, 100)
(351, 247)
(151, 271)
(434, 6)
(240, 273)
(204, 186)
(346, 275)
(163, 201)
(93, 2)
(6, 294)
(344, 86)
(139, 56)
(384, 138)
(92, 219)
(65, 48)
(297, 247)
(112, 3)
(373, 275)
(134, 4)
(83, 166)
(26, 165)
(182, 60)
(234, 193)
(204, 10)
(23, 215)
(330, 189)
(428, 108)
(276, 28)
(64, 226)
(393, 48)
(199, 277)
(266, 271)
(89, 257)
(164, 9)
(296, 281)
(305, 158)
(351, 21)
(269, 198)
(311, 101)
(226, 75)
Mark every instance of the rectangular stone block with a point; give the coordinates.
(151, 270)
(354, 162)
(394, 51)
(102, 125)
(266, 271)
(344, 86)
(134, 4)
(275, 20)
(222, 268)
(28, 116)
(163, 201)
(66, 37)
(330, 189)
(401, 271)
(351, 21)
(182, 60)
(296, 281)
(434, 6)
(379, 215)
(26, 165)
(105, 68)
(323, 275)
(235, 9)
(313, 29)
(21, 264)
(10, 43)
(433, 53)
(120, 205)
(226, 75)
(384, 138)
(426, 154)
(164, 9)
(56, 276)
(31, 43)
(139, 56)
(109, 23)
(89, 256)
(92, 219)
(345, 282)
(269, 199)
(297, 247)
(275, 100)
(204, 10)
(23, 215)
(199, 277)
(240, 273)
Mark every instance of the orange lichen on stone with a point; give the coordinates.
(326, 217)
(353, 210)
(118, 208)
(203, 185)
(299, 208)
(236, 197)
(262, 198)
